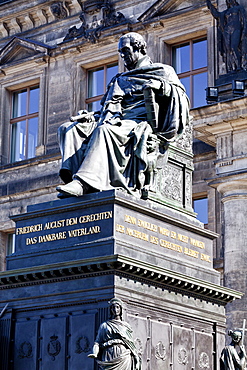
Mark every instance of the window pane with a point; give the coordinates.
(96, 82)
(18, 141)
(112, 70)
(201, 208)
(32, 137)
(19, 103)
(199, 86)
(10, 244)
(181, 58)
(199, 54)
(34, 100)
(186, 82)
(95, 106)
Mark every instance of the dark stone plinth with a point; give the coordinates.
(229, 77)
(73, 255)
(110, 223)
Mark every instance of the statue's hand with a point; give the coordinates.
(152, 84)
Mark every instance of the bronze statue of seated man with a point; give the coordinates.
(111, 148)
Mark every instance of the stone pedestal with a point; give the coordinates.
(73, 255)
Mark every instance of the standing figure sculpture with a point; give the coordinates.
(114, 348)
(232, 33)
(109, 149)
(231, 359)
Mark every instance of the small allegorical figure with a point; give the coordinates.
(230, 358)
(232, 32)
(114, 348)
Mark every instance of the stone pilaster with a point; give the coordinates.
(234, 198)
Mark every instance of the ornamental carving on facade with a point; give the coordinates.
(54, 347)
(96, 16)
(170, 183)
(82, 344)
(160, 351)
(25, 350)
(204, 361)
(185, 141)
(182, 356)
(59, 10)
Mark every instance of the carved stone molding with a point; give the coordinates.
(59, 10)
(96, 16)
(34, 17)
(126, 268)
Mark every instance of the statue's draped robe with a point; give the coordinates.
(230, 359)
(117, 349)
(112, 152)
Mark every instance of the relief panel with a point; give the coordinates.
(25, 349)
(160, 346)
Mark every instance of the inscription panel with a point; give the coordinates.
(164, 238)
(66, 229)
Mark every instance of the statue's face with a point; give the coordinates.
(130, 54)
(236, 336)
(116, 310)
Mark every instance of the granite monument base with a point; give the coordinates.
(72, 256)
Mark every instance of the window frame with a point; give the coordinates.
(192, 72)
(105, 65)
(25, 118)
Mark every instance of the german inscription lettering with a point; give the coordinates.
(186, 244)
(64, 223)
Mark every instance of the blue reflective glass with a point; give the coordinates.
(199, 85)
(96, 82)
(201, 208)
(95, 106)
(186, 82)
(19, 103)
(111, 71)
(181, 58)
(18, 141)
(32, 137)
(199, 54)
(34, 100)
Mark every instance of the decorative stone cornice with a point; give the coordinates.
(29, 17)
(124, 267)
(216, 119)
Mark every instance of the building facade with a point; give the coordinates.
(56, 57)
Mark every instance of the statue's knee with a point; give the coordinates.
(63, 128)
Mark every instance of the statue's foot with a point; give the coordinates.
(73, 188)
(65, 175)
(63, 196)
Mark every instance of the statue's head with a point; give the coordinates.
(116, 308)
(131, 47)
(236, 335)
